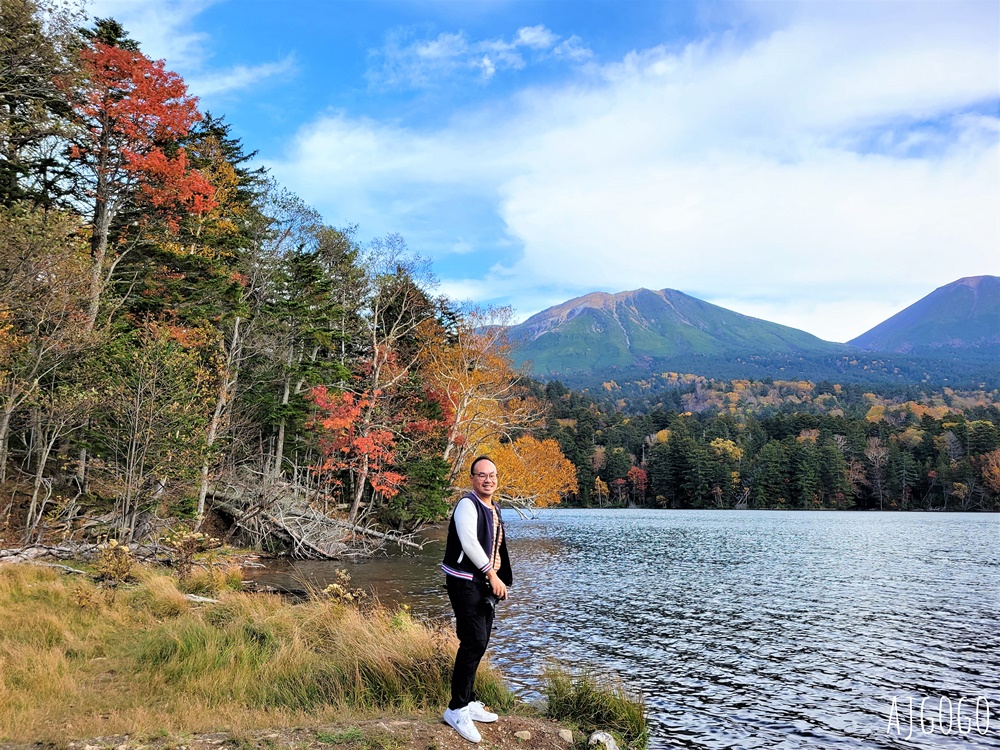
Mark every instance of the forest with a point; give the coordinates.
(181, 336)
(780, 445)
(183, 339)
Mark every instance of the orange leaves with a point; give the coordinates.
(473, 379)
(130, 108)
(534, 472)
(139, 95)
(351, 443)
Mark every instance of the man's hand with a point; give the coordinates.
(499, 587)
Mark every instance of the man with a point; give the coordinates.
(477, 574)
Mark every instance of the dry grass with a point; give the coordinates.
(75, 662)
(594, 702)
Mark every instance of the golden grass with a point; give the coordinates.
(75, 662)
(596, 702)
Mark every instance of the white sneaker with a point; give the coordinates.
(461, 722)
(478, 712)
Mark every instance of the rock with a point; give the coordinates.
(566, 735)
(525, 735)
(602, 740)
(200, 599)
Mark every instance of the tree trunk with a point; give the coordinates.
(359, 490)
(44, 451)
(279, 449)
(4, 435)
(226, 388)
(98, 250)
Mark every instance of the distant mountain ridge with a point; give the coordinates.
(954, 332)
(601, 330)
(964, 313)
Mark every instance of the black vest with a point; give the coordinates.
(459, 562)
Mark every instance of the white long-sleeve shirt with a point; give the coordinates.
(466, 523)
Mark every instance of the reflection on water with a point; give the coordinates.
(748, 629)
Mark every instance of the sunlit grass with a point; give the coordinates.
(597, 703)
(75, 662)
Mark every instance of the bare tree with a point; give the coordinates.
(877, 454)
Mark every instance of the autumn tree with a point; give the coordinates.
(350, 444)
(393, 307)
(131, 113)
(533, 473)
(485, 399)
(43, 268)
(638, 480)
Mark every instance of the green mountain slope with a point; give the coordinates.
(600, 331)
(965, 313)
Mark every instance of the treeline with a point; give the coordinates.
(176, 326)
(783, 444)
(966, 368)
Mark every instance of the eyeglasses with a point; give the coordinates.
(483, 477)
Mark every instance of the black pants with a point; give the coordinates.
(473, 623)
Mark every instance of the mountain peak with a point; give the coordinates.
(964, 313)
(601, 329)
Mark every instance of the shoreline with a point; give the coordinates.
(150, 661)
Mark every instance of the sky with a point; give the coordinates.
(818, 164)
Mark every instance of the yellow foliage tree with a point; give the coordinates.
(723, 448)
(472, 373)
(990, 467)
(601, 490)
(533, 473)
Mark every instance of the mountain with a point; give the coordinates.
(599, 332)
(963, 314)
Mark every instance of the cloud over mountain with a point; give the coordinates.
(787, 170)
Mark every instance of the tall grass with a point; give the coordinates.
(597, 703)
(77, 663)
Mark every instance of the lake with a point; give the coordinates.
(749, 629)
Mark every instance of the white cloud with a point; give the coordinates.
(536, 37)
(417, 63)
(163, 29)
(573, 49)
(822, 173)
(239, 78)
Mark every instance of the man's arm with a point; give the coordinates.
(466, 523)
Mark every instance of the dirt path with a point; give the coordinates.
(414, 733)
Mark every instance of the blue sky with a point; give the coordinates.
(818, 164)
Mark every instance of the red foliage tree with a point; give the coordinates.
(639, 480)
(350, 442)
(131, 113)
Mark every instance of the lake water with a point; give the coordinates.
(749, 629)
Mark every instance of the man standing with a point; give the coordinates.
(477, 573)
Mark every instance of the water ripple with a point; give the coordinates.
(753, 629)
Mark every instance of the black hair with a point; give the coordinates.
(472, 469)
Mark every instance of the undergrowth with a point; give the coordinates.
(77, 663)
(597, 703)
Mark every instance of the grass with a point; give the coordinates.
(597, 703)
(354, 739)
(75, 662)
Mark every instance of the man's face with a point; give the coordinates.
(484, 479)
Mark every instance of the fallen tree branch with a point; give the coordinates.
(312, 532)
(64, 568)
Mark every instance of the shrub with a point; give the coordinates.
(597, 703)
